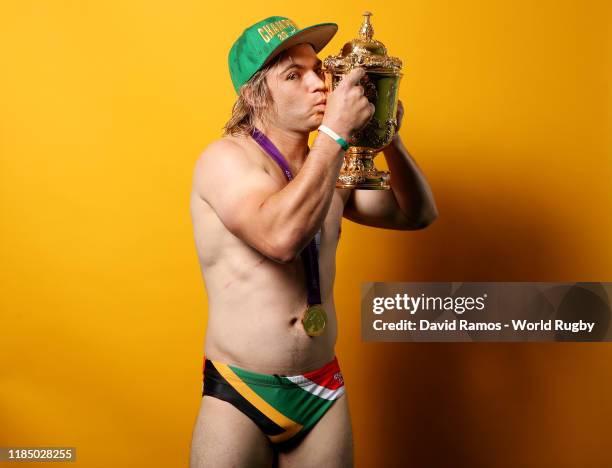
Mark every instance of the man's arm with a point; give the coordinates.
(409, 205)
(247, 200)
(280, 223)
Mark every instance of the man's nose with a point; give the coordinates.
(318, 83)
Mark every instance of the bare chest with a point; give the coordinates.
(331, 228)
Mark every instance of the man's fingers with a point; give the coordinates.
(353, 77)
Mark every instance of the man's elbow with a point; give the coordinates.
(286, 249)
(421, 222)
(284, 257)
(281, 255)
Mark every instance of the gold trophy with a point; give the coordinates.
(381, 85)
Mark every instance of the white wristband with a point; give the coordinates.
(337, 138)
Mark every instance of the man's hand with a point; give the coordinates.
(408, 205)
(347, 107)
(399, 116)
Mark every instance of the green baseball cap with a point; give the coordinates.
(260, 43)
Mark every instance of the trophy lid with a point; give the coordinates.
(363, 51)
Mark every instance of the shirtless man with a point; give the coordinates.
(272, 393)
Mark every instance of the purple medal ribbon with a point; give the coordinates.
(310, 253)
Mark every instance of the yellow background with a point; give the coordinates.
(104, 108)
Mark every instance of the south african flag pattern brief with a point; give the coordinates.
(284, 407)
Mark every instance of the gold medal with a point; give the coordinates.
(314, 320)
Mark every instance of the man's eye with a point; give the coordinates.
(292, 76)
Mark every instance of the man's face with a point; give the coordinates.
(298, 90)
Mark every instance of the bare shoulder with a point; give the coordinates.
(228, 145)
(219, 154)
(223, 161)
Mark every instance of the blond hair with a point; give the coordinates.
(254, 103)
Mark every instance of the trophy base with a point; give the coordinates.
(359, 172)
(378, 183)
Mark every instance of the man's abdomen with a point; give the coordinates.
(266, 343)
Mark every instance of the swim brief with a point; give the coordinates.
(284, 407)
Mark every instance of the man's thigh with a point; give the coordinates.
(223, 436)
(329, 444)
